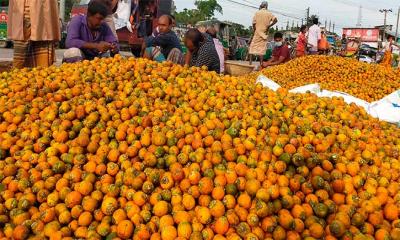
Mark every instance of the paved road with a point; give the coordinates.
(6, 54)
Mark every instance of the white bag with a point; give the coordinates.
(122, 15)
(312, 88)
(388, 108)
(268, 83)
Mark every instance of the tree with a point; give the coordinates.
(68, 8)
(311, 19)
(205, 10)
(241, 30)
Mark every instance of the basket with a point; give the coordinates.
(238, 68)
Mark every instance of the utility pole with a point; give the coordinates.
(308, 15)
(287, 25)
(333, 30)
(302, 22)
(359, 17)
(326, 21)
(397, 26)
(292, 25)
(385, 11)
(62, 9)
(330, 24)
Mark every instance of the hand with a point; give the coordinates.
(103, 47)
(114, 48)
(202, 29)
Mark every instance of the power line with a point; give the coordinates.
(273, 11)
(273, 3)
(352, 4)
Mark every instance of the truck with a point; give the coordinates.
(4, 41)
(133, 40)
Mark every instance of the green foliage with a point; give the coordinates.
(311, 19)
(205, 10)
(68, 8)
(241, 30)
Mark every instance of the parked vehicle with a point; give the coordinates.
(367, 50)
(134, 40)
(4, 41)
(366, 59)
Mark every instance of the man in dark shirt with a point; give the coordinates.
(165, 46)
(201, 50)
(280, 54)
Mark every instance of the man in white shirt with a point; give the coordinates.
(314, 35)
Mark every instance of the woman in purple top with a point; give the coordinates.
(89, 36)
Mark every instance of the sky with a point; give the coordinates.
(344, 13)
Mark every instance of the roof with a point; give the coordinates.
(359, 28)
(209, 22)
(392, 33)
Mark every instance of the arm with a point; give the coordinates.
(114, 5)
(270, 62)
(319, 34)
(110, 38)
(275, 61)
(254, 23)
(274, 21)
(161, 40)
(74, 37)
(188, 57)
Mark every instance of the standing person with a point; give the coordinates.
(112, 6)
(147, 11)
(301, 42)
(89, 36)
(201, 51)
(314, 36)
(34, 27)
(262, 21)
(323, 44)
(280, 54)
(344, 44)
(388, 57)
(165, 46)
(219, 47)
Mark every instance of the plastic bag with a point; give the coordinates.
(312, 88)
(266, 82)
(388, 108)
(121, 16)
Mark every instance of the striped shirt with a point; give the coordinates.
(206, 55)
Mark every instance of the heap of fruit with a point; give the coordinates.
(128, 148)
(370, 82)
